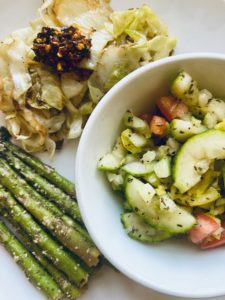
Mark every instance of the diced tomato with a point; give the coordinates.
(213, 243)
(158, 125)
(146, 117)
(206, 225)
(171, 107)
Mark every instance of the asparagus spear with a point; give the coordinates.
(45, 187)
(34, 272)
(70, 290)
(42, 210)
(44, 170)
(61, 199)
(53, 250)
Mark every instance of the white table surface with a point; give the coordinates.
(199, 25)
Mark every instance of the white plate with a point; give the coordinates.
(199, 26)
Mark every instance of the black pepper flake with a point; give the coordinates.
(130, 119)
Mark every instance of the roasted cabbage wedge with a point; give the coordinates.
(42, 107)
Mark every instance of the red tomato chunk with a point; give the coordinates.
(171, 107)
(205, 227)
(158, 125)
(213, 242)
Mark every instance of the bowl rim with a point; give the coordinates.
(78, 165)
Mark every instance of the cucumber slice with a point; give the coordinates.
(204, 97)
(116, 180)
(130, 158)
(211, 195)
(186, 89)
(114, 160)
(171, 218)
(216, 211)
(138, 169)
(220, 202)
(132, 141)
(220, 125)
(173, 145)
(118, 149)
(137, 229)
(182, 130)
(147, 192)
(148, 157)
(216, 107)
(197, 153)
(152, 179)
(133, 122)
(206, 181)
(162, 168)
(200, 102)
(210, 120)
(162, 151)
(109, 162)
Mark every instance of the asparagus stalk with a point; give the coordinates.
(70, 290)
(34, 272)
(52, 249)
(70, 206)
(44, 170)
(42, 210)
(53, 193)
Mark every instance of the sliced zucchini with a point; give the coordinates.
(132, 141)
(137, 229)
(162, 168)
(138, 169)
(199, 151)
(171, 218)
(133, 122)
(182, 130)
(186, 89)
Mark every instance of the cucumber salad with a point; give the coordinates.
(169, 167)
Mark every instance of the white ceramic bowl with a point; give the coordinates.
(174, 267)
